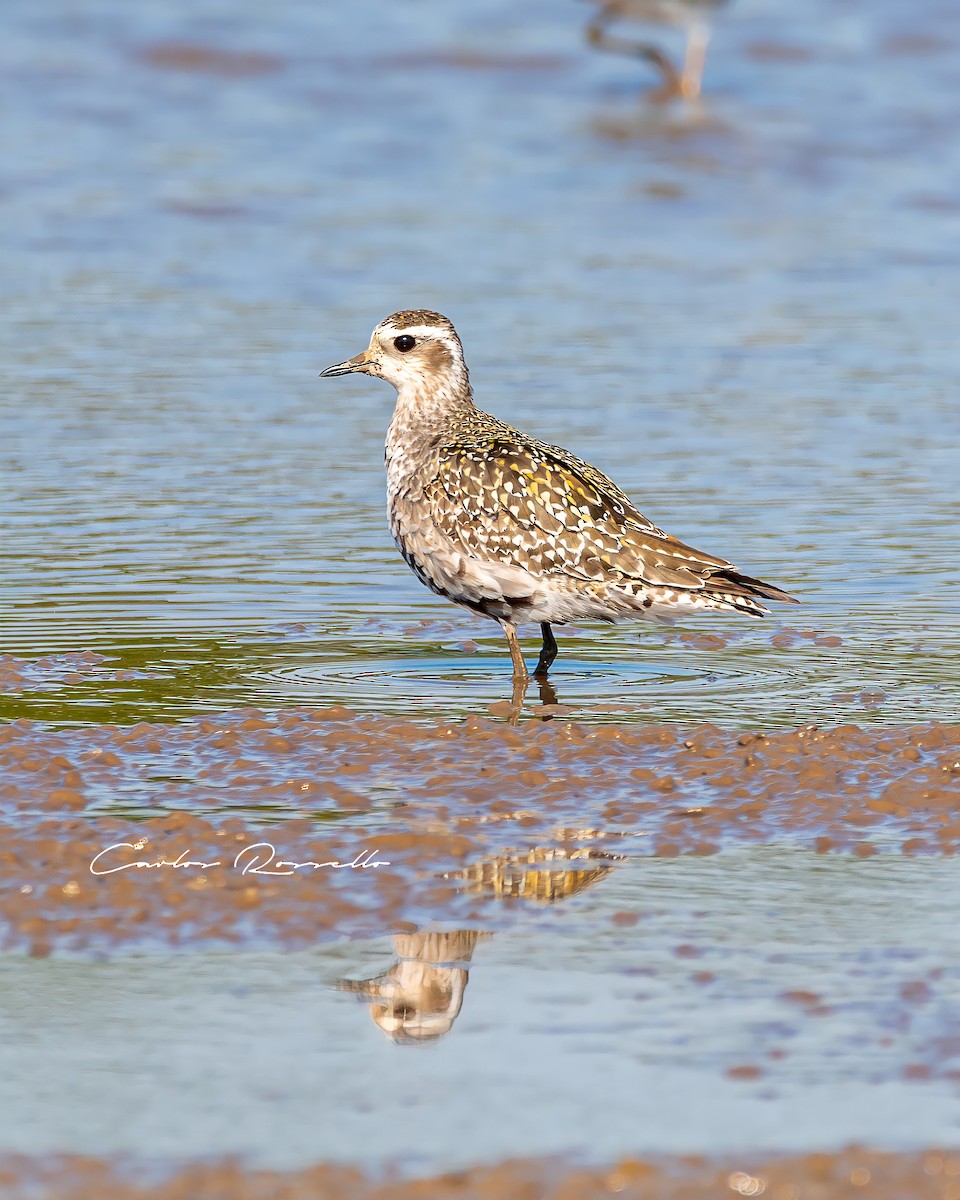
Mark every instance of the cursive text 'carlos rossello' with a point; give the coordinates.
(257, 859)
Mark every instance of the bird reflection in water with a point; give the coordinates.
(692, 16)
(544, 875)
(419, 998)
(546, 693)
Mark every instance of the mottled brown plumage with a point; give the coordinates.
(516, 529)
(503, 494)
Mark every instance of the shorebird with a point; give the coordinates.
(515, 529)
(690, 15)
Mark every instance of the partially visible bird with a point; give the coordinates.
(515, 529)
(692, 16)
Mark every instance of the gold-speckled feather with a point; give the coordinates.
(502, 494)
(511, 527)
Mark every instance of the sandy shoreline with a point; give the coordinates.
(392, 812)
(854, 1172)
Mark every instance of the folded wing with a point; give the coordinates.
(538, 507)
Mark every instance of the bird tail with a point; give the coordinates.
(741, 592)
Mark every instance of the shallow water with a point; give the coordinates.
(761, 1001)
(740, 310)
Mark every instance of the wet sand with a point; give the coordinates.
(406, 808)
(854, 1172)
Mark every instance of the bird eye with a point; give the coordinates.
(404, 342)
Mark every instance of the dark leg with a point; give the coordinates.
(548, 651)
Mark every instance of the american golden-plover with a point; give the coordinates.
(692, 16)
(512, 528)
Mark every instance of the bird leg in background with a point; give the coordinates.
(673, 82)
(548, 651)
(698, 37)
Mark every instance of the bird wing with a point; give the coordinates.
(530, 505)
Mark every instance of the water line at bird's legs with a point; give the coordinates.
(520, 676)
